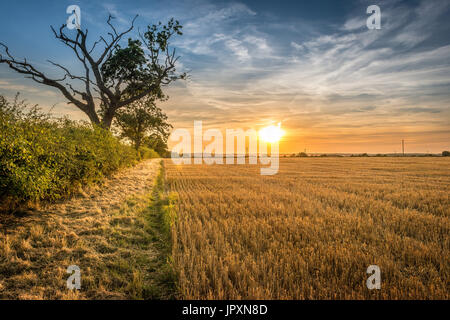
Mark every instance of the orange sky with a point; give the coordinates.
(319, 129)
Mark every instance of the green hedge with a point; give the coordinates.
(41, 158)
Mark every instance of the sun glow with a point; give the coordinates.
(271, 134)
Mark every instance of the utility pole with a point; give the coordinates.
(403, 147)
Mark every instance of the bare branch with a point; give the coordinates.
(115, 39)
(26, 68)
(110, 24)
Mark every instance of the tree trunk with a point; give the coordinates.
(137, 145)
(107, 119)
(93, 117)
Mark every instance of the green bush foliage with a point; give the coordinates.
(44, 158)
(147, 153)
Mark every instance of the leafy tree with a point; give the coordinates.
(158, 143)
(143, 122)
(117, 76)
(446, 153)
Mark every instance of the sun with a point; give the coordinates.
(271, 134)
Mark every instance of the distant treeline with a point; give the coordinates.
(303, 154)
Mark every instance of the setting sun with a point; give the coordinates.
(271, 134)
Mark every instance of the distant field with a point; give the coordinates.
(311, 231)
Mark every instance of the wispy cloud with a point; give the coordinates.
(15, 87)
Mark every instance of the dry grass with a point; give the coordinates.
(311, 231)
(111, 233)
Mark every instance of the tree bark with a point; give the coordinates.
(108, 118)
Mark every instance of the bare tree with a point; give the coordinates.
(117, 76)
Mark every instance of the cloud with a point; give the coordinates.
(111, 9)
(364, 109)
(11, 86)
(365, 62)
(224, 32)
(296, 46)
(419, 110)
(421, 23)
(354, 24)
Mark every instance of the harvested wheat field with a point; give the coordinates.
(110, 232)
(311, 231)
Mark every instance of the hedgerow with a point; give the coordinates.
(45, 158)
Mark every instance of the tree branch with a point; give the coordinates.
(26, 68)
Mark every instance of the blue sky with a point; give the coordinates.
(313, 65)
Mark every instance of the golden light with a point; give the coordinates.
(271, 134)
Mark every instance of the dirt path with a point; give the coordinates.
(104, 231)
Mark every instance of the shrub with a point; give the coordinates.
(43, 158)
(147, 153)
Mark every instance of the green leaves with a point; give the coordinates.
(141, 120)
(48, 159)
(126, 64)
(158, 36)
(144, 66)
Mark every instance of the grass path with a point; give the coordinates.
(112, 232)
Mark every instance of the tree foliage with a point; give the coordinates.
(158, 143)
(143, 122)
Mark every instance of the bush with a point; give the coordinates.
(147, 153)
(43, 158)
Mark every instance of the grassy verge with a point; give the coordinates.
(123, 253)
(161, 220)
(148, 271)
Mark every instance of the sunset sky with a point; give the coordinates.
(314, 66)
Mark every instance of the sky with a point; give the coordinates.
(314, 66)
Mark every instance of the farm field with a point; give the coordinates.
(311, 231)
